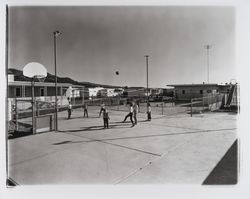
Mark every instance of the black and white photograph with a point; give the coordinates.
(122, 95)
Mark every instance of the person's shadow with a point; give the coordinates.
(112, 125)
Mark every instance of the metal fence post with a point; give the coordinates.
(16, 115)
(162, 106)
(37, 108)
(191, 107)
(33, 107)
(217, 101)
(203, 108)
(119, 102)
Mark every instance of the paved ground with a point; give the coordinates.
(175, 148)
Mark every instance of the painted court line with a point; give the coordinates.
(152, 135)
(153, 161)
(30, 159)
(118, 145)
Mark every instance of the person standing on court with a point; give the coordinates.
(85, 109)
(135, 111)
(102, 109)
(69, 110)
(130, 114)
(105, 118)
(149, 111)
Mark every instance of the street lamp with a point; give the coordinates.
(208, 47)
(56, 33)
(147, 75)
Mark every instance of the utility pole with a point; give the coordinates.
(147, 75)
(208, 47)
(56, 33)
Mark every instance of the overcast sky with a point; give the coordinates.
(97, 41)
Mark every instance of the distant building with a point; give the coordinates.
(102, 93)
(189, 91)
(135, 92)
(76, 92)
(112, 92)
(118, 91)
(142, 92)
(169, 92)
(155, 91)
(93, 91)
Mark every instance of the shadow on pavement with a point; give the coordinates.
(96, 128)
(226, 171)
(135, 137)
(79, 117)
(18, 134)
(10, 182)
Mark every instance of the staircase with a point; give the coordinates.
(230, 96)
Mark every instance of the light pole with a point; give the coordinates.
(208, 47)
(147, 75)
(56, 33)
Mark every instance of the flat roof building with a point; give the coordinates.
(189, 91)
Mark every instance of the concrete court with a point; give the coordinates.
(175, 149)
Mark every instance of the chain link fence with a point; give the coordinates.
(212, 102)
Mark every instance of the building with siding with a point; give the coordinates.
(44, 91)
(189, 91)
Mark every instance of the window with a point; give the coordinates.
(209, 91)
(183, 91)
(18, 92)
(201, 91)
(41, 91)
